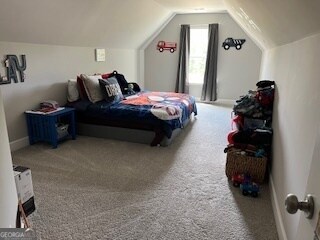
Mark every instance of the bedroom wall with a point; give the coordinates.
(295, 69)
(238, 71)
(48, 69)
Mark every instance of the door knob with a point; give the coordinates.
(292, 205)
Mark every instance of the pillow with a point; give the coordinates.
(91, 85)
(111, 89)
(106, 75)
(73, 93)
(82, 91)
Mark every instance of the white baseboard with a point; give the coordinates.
(276, 211)
(18, 144)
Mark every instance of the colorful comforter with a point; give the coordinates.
(164, 105)
(158, 110)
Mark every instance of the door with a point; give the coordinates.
(307, 226)
(8, 192)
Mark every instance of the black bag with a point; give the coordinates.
(121, 80)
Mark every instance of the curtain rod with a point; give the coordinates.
(203, 24)
(195, 26)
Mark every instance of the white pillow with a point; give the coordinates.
(73, 92)
(92, 87)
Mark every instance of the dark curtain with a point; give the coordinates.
(182, 81)
(209, 88)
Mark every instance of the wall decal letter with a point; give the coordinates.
(12, 65)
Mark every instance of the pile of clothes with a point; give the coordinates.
(257, 104)
(252, 135)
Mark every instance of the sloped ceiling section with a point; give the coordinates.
(90, 23)
(128, 23)
(272, 23)
(193, 6)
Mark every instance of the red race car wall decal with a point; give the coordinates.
(163, 45)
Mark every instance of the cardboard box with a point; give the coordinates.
(23, 179)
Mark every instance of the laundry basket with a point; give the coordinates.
(237, 163)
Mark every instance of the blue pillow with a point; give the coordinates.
(111, 89)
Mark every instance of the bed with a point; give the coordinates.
(149, 117)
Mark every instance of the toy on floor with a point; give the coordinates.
(251, 188)
(238, 179)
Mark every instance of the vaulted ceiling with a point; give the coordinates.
(276, 22)
(126, 24)
(187, 6)
(107, 23)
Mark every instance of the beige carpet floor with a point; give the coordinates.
(95, 188)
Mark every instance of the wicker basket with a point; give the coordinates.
(254, 166)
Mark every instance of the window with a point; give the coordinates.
(198, 53)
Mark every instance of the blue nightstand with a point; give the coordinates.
(44, 127)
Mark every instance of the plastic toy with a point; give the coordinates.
(238, 179)
(249, 188)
